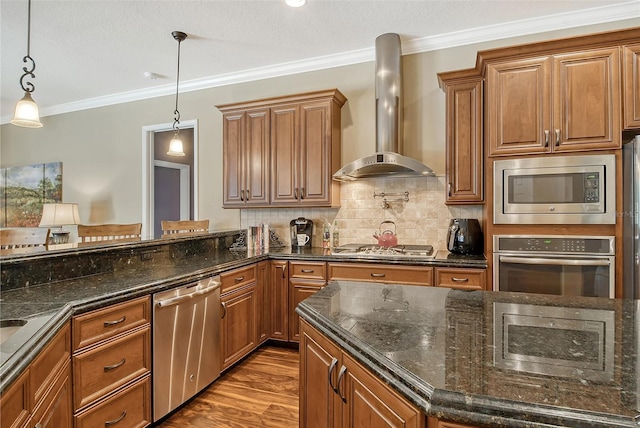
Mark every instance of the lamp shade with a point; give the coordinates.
(59, 214)
(27, 113)
(175, 146)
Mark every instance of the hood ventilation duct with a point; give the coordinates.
(387, 161)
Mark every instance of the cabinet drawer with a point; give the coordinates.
(103, 369)
(130, 407)
(238, 278)
(48, 364)
(411, 275)
(466, 279)
(308, 270)
(105, 323)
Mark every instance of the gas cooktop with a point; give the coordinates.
(373, 251)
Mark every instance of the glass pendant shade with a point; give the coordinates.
(175, 146)
(26, 113)
(296, 3)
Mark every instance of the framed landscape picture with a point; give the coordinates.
(24, 189)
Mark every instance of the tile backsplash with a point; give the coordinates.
(424, 219)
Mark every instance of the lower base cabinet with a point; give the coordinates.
(336, 391)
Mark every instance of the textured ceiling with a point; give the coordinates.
(91, 52)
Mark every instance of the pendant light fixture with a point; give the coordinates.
(175, 145)
(26, 113)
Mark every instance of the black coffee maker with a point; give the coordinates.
(465, 236)
(301, 233)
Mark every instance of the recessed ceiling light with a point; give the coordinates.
(296, 3)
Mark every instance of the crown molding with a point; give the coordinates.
(599, 15)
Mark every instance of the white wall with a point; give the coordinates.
(101, 149)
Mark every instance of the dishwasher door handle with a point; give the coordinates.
(176, 300)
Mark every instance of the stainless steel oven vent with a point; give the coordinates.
(387, 161)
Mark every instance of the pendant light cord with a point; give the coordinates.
(28, 71)
(176, 120)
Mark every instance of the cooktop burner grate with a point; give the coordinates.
(414, 251)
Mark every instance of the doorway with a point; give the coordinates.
(170, 187)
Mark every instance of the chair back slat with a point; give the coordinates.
(182, 227)
(23, 238)
(110, 232)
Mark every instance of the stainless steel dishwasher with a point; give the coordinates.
(186, 343)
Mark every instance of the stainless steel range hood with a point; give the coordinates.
(387, 161)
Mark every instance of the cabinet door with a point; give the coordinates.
(320, 405)
(315, 153)
(279, 300)
(55, 411)
(263, 297)
(370, 403)
(233, 129)
(631, 86)
(238, 326)
(285, 132)
(464, 143)
(518, 106)
(14, 403)
(256, 158)
(587, 100)
(298, 291)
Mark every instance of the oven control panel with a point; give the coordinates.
(555, 244)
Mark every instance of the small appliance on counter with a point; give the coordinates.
(465, 236)
(301, 233)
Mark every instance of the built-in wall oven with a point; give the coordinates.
(560, 265)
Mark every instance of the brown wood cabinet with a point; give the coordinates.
(305, 278)
(238, 328)
(464, 162)
(279, 283)
(299, 136)
(554, 103)
(437, 423)
(631, 86)
(461, 278)
(374, 272)
(111, 355)
(42, 393)
(263, 298)
(336, 391)
(246, 157)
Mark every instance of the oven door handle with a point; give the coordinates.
(540, 261)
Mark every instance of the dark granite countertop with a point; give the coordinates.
(112, 274)
(435, 346)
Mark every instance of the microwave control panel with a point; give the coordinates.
(591, 190)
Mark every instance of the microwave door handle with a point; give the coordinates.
(541, 261)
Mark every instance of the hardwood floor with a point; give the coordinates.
(261, 391)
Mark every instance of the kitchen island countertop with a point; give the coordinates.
(435, 346)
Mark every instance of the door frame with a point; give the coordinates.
(185, 172)
(148, 164)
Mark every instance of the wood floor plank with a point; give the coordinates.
(261, 391)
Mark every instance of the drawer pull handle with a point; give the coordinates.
(115, 366)
(115, 421)
(343, 370)
(334, 363)
(224, 309)
(307, 270)
(546, 138)
(557, 137)
(239, 279)
(454, 279)
(377, 275)
(110, 323)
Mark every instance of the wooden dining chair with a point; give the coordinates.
(107, 233)
(184, 227)
(23, 238)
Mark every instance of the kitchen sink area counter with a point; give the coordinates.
(475, 357)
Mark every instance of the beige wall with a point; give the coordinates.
(101, 149)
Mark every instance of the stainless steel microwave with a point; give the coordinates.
(555, 190)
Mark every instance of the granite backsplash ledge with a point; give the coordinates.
(45, 268)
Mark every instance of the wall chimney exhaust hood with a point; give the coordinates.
(387, 161)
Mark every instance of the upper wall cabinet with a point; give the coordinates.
(554, 103)
(463, 138)
(282, 151)
(631, 86)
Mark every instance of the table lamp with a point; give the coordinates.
(58, 215)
